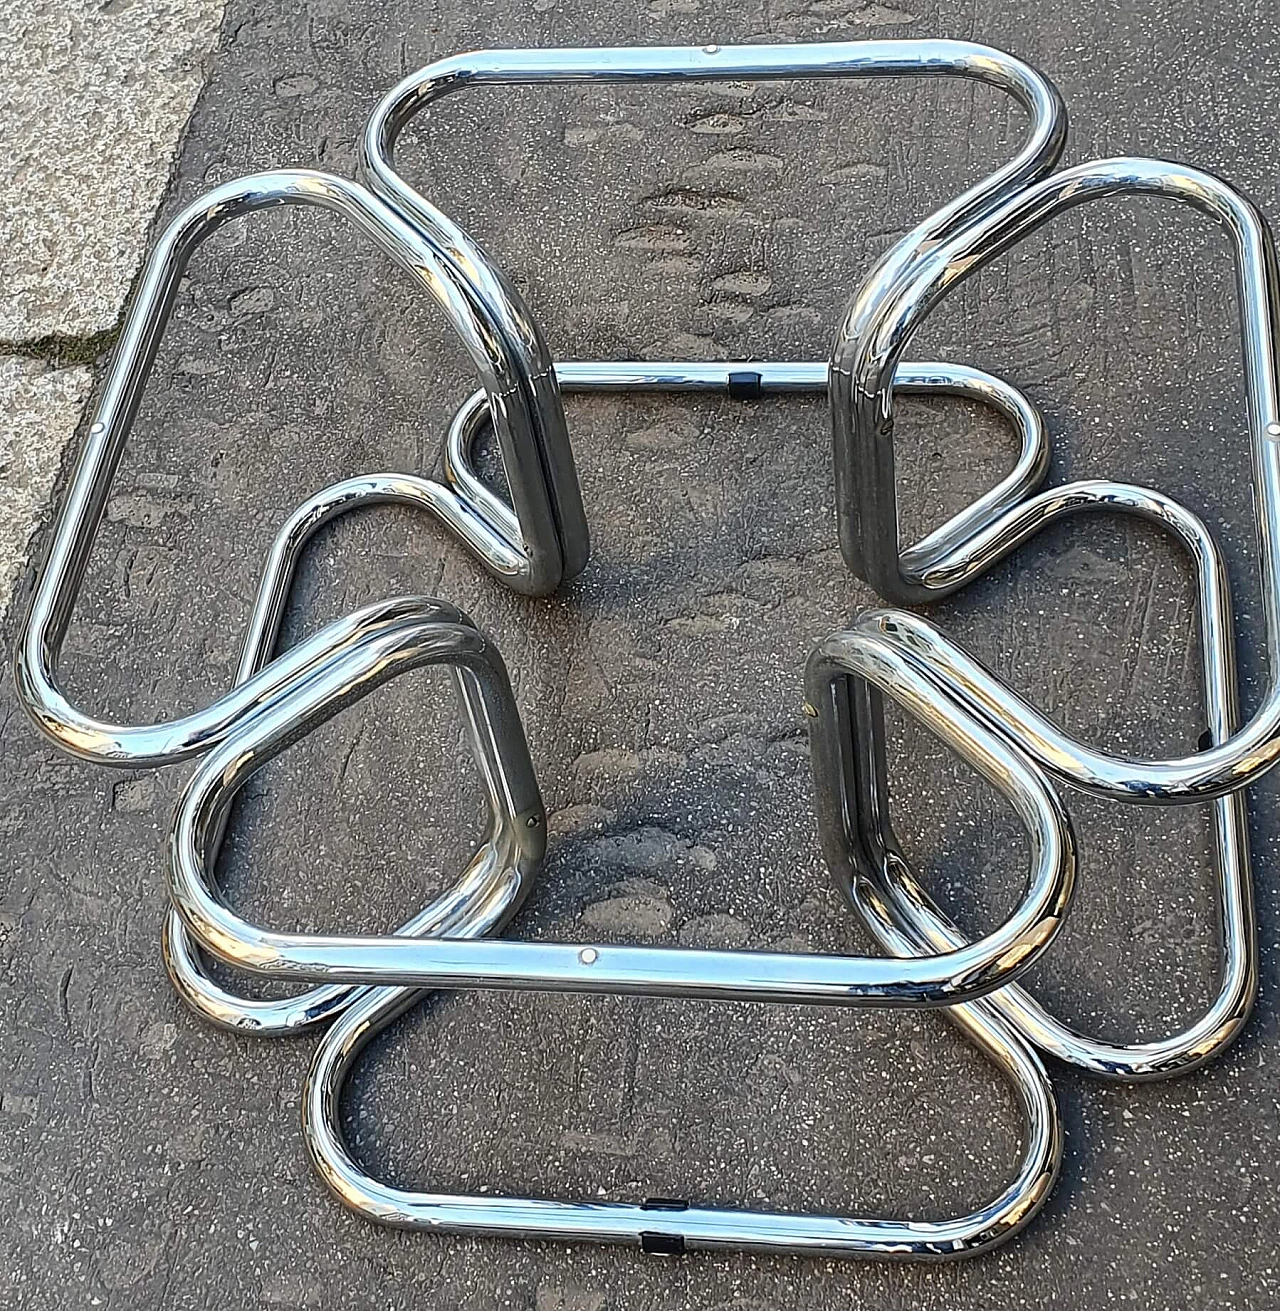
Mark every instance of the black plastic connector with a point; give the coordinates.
(657, 1244)
(745, 386)
(662, 1244)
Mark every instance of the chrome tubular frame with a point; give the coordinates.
(540, 539)
(757, 378)
(939, 979)
(490, 888)
(871, 343)
(684, 64)
(519, 547)
(856, 815)
(668, 1226)
(915, 976)
(1231, 756)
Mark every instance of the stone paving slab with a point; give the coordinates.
(97, 94)
(39, 410)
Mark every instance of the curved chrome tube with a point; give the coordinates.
(521, 549)
(867, 497)
(316, 1006)
(484, 881)
(501, 306)
(518, 834)
(541, 539)
(875, 858)
(879, 328)
(752, 379)
(544, 540)
(491, 889)
(672, 1227)
(930, 980)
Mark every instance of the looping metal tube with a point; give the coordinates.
(932, 378)
(934, 979)
(1231, 756)
(520, 547)
(862, 414)
(875, 859)
(493, 893)
(540, 540)
(502, 307)
(678, 1227)
(499, 873)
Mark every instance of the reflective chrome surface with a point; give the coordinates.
(1231, 757)
(862, 413)
(672, 1227)
(934, 979)
(867, 851)
(492, 887)
(750, 379)
(540, 540)
(499, 304)
(520, 548)
(488, 891)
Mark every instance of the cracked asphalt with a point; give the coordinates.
(148, 1162)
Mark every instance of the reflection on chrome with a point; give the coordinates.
(911, 975)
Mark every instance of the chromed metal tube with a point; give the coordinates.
(318, 1005)
(528, 559)
(678, 1227)
(763, 378)
(862, 412)
(517, 839)
(488, 884)
(503, 309)
(931, 979)
(541, 539)
(544, 539)
(871, 855)
(681, 64)
(879, 328)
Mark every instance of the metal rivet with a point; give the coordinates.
(1273, 431)
(710, 50)
(588, 955)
